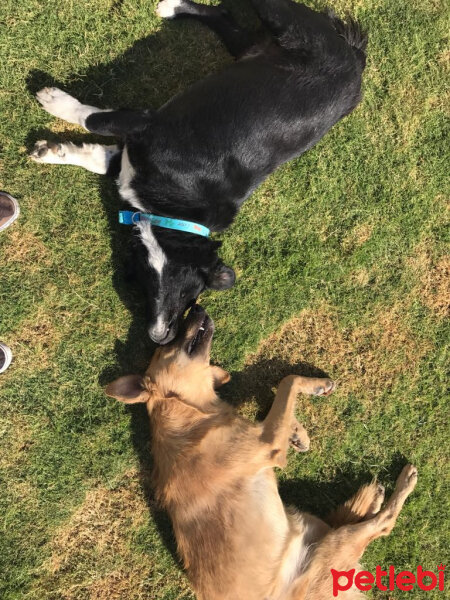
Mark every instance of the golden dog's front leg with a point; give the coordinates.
(280, 426)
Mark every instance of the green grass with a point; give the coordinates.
(345, 245)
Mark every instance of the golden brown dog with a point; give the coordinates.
(214, 475)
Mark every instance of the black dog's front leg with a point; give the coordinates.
(97, 120)
(118, 122)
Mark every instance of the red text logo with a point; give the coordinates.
(388, 580)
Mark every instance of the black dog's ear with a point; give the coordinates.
(221, 278)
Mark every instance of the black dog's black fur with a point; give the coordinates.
(203, 153)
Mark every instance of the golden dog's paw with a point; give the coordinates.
(407, 479)
(378, 499)
(324, 388)
(299, 439)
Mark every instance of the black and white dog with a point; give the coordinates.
(203, 153)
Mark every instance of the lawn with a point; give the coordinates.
(342, 268)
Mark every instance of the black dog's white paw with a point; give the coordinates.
(167, 9)
(47, 152)
(59, 104)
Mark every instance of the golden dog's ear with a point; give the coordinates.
(128, 389)
(220, 377)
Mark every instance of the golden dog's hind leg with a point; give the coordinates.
(406, 482)
(365, 504)
(360, 535)
(280, 426)
(341, 549)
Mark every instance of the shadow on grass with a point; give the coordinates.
(140, 78)
(259, 381)
(320, 498)
(147, 75)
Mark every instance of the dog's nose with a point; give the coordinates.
(158, 336)
(161, 334)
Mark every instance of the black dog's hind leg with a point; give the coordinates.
(277, 15)
(237, 40)
(295, 25)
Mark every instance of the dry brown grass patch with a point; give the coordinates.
(117, 585)
(90, 554)
(36, 342)
(60, 126)
(435, 289)
(365, 360)
(15, 439)
(439, 102)
(433, 277)
(360, 277)
(98, 523)
(357, 236)
(444, 59)
(25, 249)
(409, 112)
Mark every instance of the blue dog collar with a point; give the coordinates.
(127, 217)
